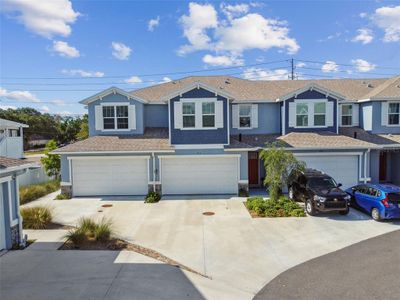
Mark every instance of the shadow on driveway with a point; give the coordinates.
(366, 270)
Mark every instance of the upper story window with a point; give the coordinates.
(302, 114)
(347, 114)
(319, 114)
(245, 116)
(394, 114)
(189, 114)
(115, 117)
(14, 132)
(208, 110)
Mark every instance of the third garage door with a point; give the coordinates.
(199, 175)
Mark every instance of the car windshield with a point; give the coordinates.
(324, 182)
(394, 197)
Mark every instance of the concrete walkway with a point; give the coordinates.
(236, 251)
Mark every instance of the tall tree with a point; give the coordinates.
(51, 162)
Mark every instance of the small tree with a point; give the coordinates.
(51, 162)
(84, 129)
(278, 164)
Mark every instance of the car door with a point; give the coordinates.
(371, 199)
(301, 187)
(360, 194)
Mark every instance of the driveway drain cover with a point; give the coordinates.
(106, 205)
(208, 213)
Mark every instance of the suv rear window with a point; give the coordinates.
(394, 197)
(325, 182)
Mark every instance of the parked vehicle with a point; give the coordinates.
(382, 201)
(319, 191)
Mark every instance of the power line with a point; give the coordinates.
(345, 65)
(344, 71)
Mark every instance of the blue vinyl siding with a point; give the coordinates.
(156, 115)
(377, 120)
(116, 98)
(4, 187)
(191, 137)
(311, 95)
(269, 120)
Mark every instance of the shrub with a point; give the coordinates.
(152, 197)
(38, 217)
(87, 226)
(32, 192)
(283, 207)
(76, 236)
(62, 197)
(298, 212)
(89, 230)
(103, 231)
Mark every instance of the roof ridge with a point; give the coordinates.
(380, 88)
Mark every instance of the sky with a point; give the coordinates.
(55, 53)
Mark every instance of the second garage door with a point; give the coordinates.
(343, 168)
(110, 176)
(199, 175)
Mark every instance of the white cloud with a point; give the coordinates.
(254, 73)
(232, 11)
(22, 96)
(133, 80)
(63, 113)
(222, 60)
(153, 23)
(301, 64)
(238, 32)
(45, 109)
(364, 36)
(195, 25)
(362, 65)
(330, 66)
(58, 102)
(363, 15)
(5, 107)
(388, 19)
(45, 17)
(120, 50)
(82, 73)
(166, 79)
(65, 50)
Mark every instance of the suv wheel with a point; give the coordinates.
(345, 212)
(291, 193)
(310, 208)
(375, 214)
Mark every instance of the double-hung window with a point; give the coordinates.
(347, 114)
(302, 114)
(244, 116)
(319, 114)
(189, 115)
(115, 117)
(394, 114)
(208, 110)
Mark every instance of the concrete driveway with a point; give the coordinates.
(235, 250)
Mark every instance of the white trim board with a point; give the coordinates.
(108, 157)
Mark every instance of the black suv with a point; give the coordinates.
(319, 191)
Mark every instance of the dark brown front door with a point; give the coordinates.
(253, 168)
(382, 166)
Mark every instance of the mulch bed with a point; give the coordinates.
(58, 226)
(118, 245)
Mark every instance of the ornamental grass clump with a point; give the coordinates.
(37, 217)
(89, 231)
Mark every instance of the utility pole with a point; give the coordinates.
(292, 67)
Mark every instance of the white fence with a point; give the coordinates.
(33, 176)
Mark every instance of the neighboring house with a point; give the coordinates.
(10, 218)
(203, 135)
(11, 138)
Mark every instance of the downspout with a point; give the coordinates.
(154, 171)
(365, 165)
(22, 240)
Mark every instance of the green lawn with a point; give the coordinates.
(32, 152)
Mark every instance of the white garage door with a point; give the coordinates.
(343, 168)
(110, 176)
(199, 175)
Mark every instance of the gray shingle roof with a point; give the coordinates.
(257, 90)
(154, 139)
(392, 140)
(8, 162)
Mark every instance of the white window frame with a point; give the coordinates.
(114, 105)
(207, 114)
(189, 115)
(319, 114)
(308, 115)
(388, 113)
(198, 115)
(311, 105)
(346, 115)
(245, 116)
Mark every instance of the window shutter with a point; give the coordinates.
(132, 117)
(384, 113)
(340, 115)
(235, 116)
(356, 113)
(177, 115)
(292, 114)
(329, 113)
(219, 114)
(98, 117)
(254, 116)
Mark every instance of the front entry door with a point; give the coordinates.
(382, 166)
(253, 169)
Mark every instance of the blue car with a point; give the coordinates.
(382, 201)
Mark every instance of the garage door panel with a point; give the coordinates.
(343, 168)
(111, 176)
(200, 175)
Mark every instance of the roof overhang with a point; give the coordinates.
(18, 168)
(12, 124)
(112, 90)
(312, 87)
(197, 85)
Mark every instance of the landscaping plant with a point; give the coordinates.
(37, 217)
(278, 164)
(152, 197)
(62, 197)
(32, 192)
(90, 231)
(283, 207)
(51, 162)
